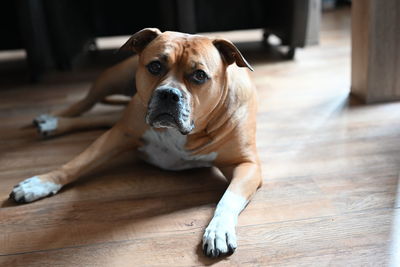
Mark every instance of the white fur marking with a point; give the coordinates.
(220, 236)
(46, 123)
(241, 113)
(166, 149)
(33, 188)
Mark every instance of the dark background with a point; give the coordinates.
(55, 33)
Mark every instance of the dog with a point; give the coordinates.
(193, 105)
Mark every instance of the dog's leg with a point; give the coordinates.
(219, 237)
(65, 125)
(50, 123)
(118, 79)
(107, 146)
(78, 108)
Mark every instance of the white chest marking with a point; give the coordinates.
(166, 149)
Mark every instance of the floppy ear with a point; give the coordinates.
(230, 53)
(141, 39)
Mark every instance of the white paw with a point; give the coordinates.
(32, 189)
(46, 124)
(219, 237)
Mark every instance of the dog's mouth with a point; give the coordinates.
(165, 120)
(168, 120)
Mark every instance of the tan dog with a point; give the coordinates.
(192, 108)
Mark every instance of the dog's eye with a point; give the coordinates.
(154, 67)
(199, 76)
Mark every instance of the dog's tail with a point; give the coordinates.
(116, 100)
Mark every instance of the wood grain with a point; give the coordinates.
(330, 168)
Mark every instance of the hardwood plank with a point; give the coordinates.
(354, 239)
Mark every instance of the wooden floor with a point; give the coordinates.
(330, 166)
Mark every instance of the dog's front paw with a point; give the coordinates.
(33, 189)
(46, 124)
(219, 237)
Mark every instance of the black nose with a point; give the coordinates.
(170, 95)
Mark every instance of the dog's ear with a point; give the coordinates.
(230, 53)
(141, 39)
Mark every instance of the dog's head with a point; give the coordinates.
(181, 77)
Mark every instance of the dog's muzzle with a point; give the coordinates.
(169, 108)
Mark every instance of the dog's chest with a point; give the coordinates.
(166, 149)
